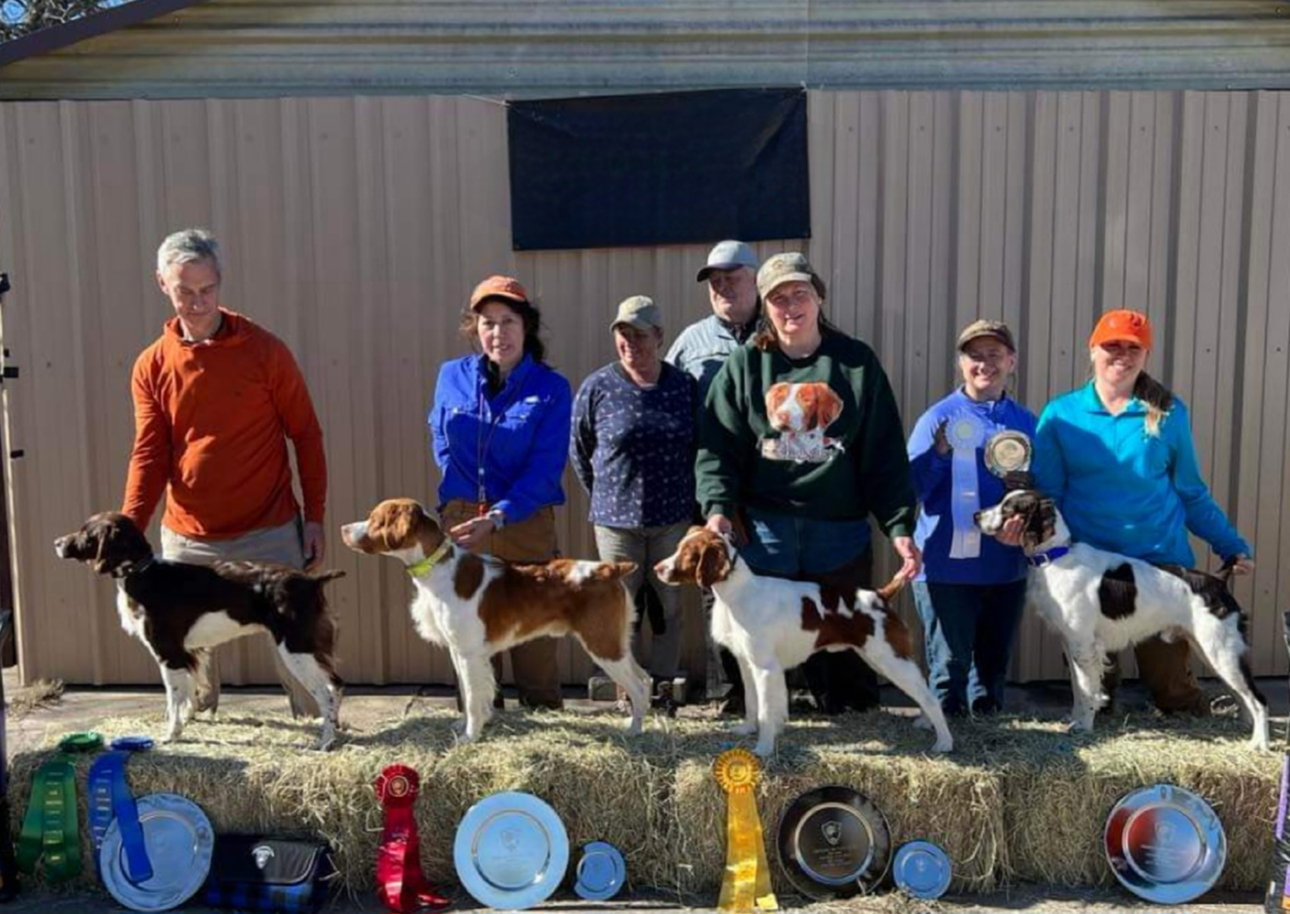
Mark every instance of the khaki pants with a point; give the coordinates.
(274, 544)
(532, 540)
(1165, 669)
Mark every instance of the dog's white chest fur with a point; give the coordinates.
(442, 617)
(130, 612)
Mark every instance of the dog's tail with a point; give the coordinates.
(891, 588)
(613, 571)
(322, 577)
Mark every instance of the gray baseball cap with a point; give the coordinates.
(726, 256)
(640, 312)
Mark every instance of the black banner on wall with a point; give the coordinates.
(668, 168)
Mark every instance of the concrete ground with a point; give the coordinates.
(81, 708)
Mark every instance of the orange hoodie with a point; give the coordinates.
(210, 420)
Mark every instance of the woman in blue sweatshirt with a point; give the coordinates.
(972, 589)
(1117, 457)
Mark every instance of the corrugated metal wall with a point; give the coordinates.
(517, 48)
(355, 227)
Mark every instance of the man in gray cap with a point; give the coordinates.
(731, 275)
(701, 350)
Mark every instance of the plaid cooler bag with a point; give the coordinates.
(260, 873)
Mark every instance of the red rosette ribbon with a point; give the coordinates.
(400, 884)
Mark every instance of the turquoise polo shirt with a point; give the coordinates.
(1123, 490)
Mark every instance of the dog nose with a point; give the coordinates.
(976, 516)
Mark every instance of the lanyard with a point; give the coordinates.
(481, 443)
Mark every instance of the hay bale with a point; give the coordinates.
(1017, 800)
(253, 774)
(952, 800)
(1061, 792)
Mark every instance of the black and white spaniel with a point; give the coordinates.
(180, 611)
(1101, 602)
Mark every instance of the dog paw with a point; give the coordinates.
(923, 722)
(764, 750)
(459, 726)
(943, 745)
(326, 742)
(1080, 726)
(635, 727)
(744, 729)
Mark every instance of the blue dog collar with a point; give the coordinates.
(1039, 559)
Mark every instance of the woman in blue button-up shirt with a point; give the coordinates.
(500, 432)
(1117, 457)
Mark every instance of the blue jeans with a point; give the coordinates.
(968, 633)
(790, 547)
(807, 549)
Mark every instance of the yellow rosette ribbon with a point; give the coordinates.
(746, 886)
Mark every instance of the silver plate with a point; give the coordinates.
(511, 851)
(601, 872)
(1165, 844)
(922, 869)
(179, 840)
(1008, 452)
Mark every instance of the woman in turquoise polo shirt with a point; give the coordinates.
(1117, 457)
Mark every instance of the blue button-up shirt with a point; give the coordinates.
(507, 450)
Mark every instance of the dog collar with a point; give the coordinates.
(131, 570)
(1040, 559)
(423, 567)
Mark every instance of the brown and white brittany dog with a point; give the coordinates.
(773, 624)
(477, 606)
(179, 611)
(1101, 602)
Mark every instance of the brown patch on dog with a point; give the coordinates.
(834, 628)
(468, 577)
(529, 600)
(897, 634)
(701, 558)
(399, 523)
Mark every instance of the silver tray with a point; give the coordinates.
(1165, 844)
(179, 840)
(511, 851)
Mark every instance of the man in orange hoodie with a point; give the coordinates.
(215, 399)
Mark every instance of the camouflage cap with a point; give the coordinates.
(790, 266)
(995, 330)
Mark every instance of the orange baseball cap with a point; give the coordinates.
(504, 287)
(1122, 326)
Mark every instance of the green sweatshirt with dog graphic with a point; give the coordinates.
(772, 438)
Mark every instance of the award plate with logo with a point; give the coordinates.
(511, 851)
(834, 843)
(1008, 452)
(179, 840)
(1165, 844)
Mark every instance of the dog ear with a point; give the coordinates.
(106, 534)
(1039, 524)
(714, 565)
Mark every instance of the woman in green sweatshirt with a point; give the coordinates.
(800, 443)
